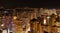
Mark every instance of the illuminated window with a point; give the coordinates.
(44, 21)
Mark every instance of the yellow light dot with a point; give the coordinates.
(2, 25)
(14, 17)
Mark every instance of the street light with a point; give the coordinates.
(2, 25)
(48, 17)
(15, 17)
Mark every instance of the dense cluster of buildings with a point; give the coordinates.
(32, 20)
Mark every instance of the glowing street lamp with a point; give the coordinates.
(48, 17)
(2, 25)
(15, 17)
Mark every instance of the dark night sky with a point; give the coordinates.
(30, 3)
